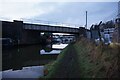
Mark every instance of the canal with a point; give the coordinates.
(22, 56)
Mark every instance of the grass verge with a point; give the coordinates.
(86, 60)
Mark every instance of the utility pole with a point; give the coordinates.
(86, 20)
(86, 24)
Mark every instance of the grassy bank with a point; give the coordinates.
(83, 59)
(66, 65)
(100, 61)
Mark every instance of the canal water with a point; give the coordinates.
(22, 56)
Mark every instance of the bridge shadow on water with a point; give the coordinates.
(18, 57)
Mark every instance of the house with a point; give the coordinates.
(103, 31)
(116, 33)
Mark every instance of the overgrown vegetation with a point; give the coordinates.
(100, 61)
(90, 61)
(66, 65)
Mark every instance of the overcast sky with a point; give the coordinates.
(62, 11)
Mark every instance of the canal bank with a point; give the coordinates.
(67, 65)
(86, 60)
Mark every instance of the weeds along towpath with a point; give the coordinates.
(86, 60)
(67, 66)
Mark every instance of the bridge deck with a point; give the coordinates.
(49, 28)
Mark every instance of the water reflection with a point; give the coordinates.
(43, 52)
(21, 56)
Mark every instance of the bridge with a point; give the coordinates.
(50, 28)
(27, 33)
